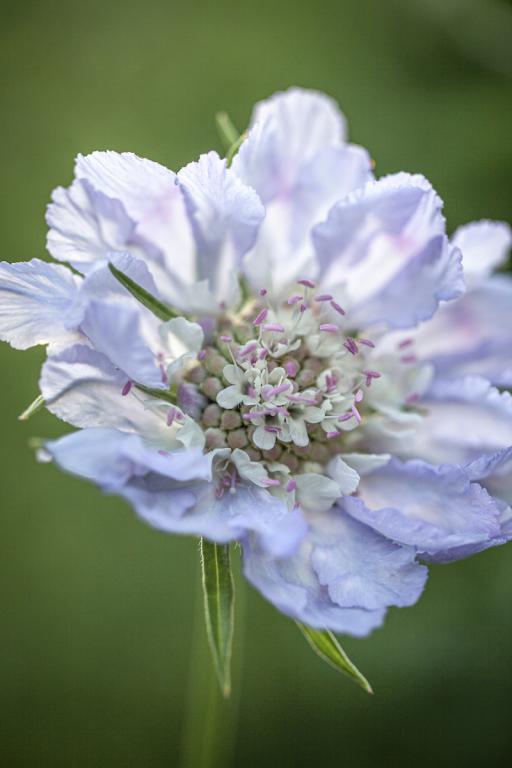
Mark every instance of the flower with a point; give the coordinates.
(314, 369)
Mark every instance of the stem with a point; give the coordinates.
(210, 721)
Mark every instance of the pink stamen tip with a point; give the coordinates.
(351, 346)
(279, 409)
(171, 415)
(270, 482)
(263, 291)
(295, 299)
(226, 339)
(291, 367)
(324, 297)
(306, 283)
(291, 485)
(405, 343)
(346, 416)
(303, 307)
(372, 374)
(251, 391)
(275, 327)
(330, 435)
(263, 354)
(356, 413)
(127, 387)
(302, 399)
(260, 317)
(248, 350)
(329, 328)
(358, 396)
(367, 342)
(412, 398)
(163, 453)
(277, 390)
(336, 306)
(272, 429)
(409, 359)
(201, 354)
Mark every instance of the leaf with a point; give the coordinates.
(156, 306)
(32, 408)
(219, 607)
(328, 648)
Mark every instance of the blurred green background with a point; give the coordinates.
(97, 610)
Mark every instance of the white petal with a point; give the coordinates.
(485, 246)
(346, 477)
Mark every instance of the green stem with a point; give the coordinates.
(210, 721)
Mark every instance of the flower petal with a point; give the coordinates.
(384, 252)
(225, 215)
(83, 388)
(432, 508)
(38, 303)
(484, 246)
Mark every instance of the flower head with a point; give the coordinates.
(296, 357)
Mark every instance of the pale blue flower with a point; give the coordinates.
(325, 388)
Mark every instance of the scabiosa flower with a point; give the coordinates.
(285, 352)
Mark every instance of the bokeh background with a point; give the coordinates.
(98, 665)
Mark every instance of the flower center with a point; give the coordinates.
(283, 382)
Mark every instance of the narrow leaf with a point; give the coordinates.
(219, 608)
(156, 306)
(234, 149)
(328, 648)
(170, 395)
(32, 408)
(227, 131)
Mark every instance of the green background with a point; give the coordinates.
(96, 609)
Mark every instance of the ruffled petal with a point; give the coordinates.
(83, 388)
(484, 246)
(384, 252)
(225, 215)
(435, 509)
(464, 418)
(472, 335)
(292, 585)
(362, 569)
(38, 303)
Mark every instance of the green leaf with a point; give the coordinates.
(227, 131)
(328, 648)
(32, 408)
(219, 608)
(156, 306)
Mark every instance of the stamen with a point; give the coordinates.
(302, 399)
(295, 299)
(263, 291)
(367, 343)
(291, 485)
(351, 345)
(260, 317)
(371, 375)
(248, 349)
(226, 339)
(412, 398)
(303, 307)
(306, 283)
(358, 396)
(270, 481)
(127, 387)
(263, 354)
(409, 359)
(330, 435)
(323, 297)
(171, 415)
(405, 343)
(356, 413)
(201, 354)
(272, 429)
(346, 416)
(336, 306)
(329, 328)
(276, 327)
(277, 390)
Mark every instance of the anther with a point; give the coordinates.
(260, 317)
(323, 297)
(336, 306)
(276, 327)
(329, 328)
(127, 387)
(306, 283)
